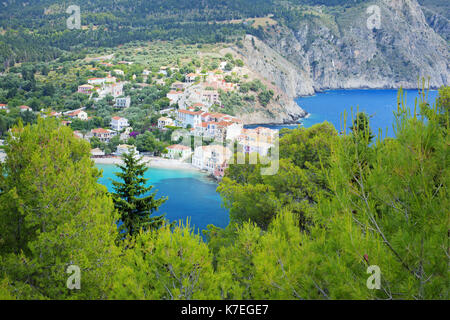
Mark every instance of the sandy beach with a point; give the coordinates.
(153, 162)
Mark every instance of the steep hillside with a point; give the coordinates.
(335, 49)
(437, 13)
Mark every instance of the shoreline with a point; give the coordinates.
(151, 162)
(159, 163)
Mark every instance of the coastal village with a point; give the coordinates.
(194, 106)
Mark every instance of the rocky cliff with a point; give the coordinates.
(338, 49)
(439, 22)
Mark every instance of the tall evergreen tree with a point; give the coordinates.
(361, 127)
(133, 199)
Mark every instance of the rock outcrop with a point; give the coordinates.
(340, 51)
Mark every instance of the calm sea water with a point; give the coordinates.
(378, 104)
(191, 195)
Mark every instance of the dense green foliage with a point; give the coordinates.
(111, 24)
(340, 203)
(53, 214)
(133, 199)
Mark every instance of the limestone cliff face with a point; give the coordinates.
(292, 78)
(439, 22)
(339, 51)
(279, 75)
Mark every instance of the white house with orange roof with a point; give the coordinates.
(119, 123)
(96, 81)
(104, 135)
(25, 108)
(233, 130)
(187, 118)
(178, 151)
(200, 129)
(85, 89)
(190, 77)
(79, 114)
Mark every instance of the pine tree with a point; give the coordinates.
(134, 207)
(361, 127)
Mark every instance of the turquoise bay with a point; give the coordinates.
(191, 195)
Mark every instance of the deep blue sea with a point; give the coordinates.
(192, 195)
(378, 104)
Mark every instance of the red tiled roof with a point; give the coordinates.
(224, 123)
(190, 112)
(178, 146)
(75, 112)
(100, 130)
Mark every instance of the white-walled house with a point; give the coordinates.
(233, 130)
(103, 135)
(210, 157)
(97, 152)
(200, 129)
(85, 89)
(123, 102)
(190, 77)
(174, 96)
(119, 72)
(187, 117)
(96, 81)
(178, 151)
(25, 108)
(125, 148)
(115, 89)
(80, 114)
(164, 121)
(119, 123)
